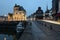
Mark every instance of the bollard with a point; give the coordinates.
(51, 27)
(42, 23)
(45, 25)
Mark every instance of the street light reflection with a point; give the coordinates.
(54, 22)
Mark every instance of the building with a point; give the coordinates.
(47, 13)
(55, 5)
(58, 12)
(3, 18)
(39, 13)
(56, 9)
(19, 14)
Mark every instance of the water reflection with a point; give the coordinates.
(12, 30)
(8, 37)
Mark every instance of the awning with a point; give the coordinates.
(58, 14)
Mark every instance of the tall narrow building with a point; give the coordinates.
(47, 13)
(56, 9)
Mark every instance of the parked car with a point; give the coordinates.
(19, 29)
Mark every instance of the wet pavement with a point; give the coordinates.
(37, 33)
(32, 32)
(27, 34)
(51, 34)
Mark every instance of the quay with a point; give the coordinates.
(9, 28)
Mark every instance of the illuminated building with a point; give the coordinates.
(19, 14)
(3, 18)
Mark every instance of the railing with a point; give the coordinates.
(48, 25)
(54, 22)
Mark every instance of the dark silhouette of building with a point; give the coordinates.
(55, 4)
(39, 13)
(47, 13)
(19, 8)
(56, 9)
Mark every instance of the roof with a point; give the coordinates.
(10, 14)
(3, 16)
(17, 5)
(20, 7)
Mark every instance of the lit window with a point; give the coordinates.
(19, 12)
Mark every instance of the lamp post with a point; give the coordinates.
(4, 37)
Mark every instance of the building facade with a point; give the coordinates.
(19, 14)
(47, 13)
(3, 18)
(56, 9)
(58, 13)
(39, 13)
(55, 5)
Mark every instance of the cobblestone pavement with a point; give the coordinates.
(33, 32)
(27, 34)
(51, 34)
(37, 33)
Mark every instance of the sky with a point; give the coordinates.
(6, 6)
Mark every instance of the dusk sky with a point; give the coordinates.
(30, 6)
